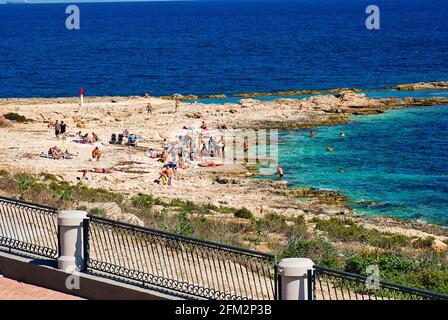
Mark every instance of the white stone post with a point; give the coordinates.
(293, 278)
(71, 255)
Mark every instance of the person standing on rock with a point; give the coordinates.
(149, 108)
(222, 145)
(63, 127)
(176, 105)
(57, 129)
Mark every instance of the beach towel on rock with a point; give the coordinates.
(50, 156)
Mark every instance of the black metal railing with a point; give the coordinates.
(183, 264)
(331, 284)
(28, 227)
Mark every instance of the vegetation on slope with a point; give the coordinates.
(339, 243)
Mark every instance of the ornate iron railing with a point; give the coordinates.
(331, 284)
(28, 227)
(183, 264)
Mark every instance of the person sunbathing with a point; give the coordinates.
(182, 164)
(96, 154)
(85, 138)
(153, 154)
(94, 170)
(95, 137)
(209, 164)
(55, 152)
(203, 125)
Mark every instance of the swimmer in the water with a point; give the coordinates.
(280, 171)
(311, 134)
(330, 149)
(342, 134)
(341, 170)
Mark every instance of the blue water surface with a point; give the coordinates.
(395, 164)
(226, 47)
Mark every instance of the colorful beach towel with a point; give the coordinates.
(64, 156)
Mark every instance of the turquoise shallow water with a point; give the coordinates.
(395, 163)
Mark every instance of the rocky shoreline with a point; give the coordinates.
(233, 186)
(436, 85)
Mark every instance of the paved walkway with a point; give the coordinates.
(14, 290)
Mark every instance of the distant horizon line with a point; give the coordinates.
(17, 2)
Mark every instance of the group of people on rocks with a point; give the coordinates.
(57, 153)
(86, 137)
(174, 156)
(150, 107)
(60, 129)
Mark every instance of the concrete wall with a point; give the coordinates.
(44, 273)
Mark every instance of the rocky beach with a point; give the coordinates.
(224, 203)
(229, 185)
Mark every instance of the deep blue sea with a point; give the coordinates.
(395, 163)
(220, 47)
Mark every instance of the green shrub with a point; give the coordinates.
(259, 226)
(299, 228)
(66, 195)
(98, 212)
(430, 279)
(347, 230)
(275, 220)
(16, 117)
(243, 213)
(189, 207)
(318, 250)
(358, 264)
(143, 201)
(85, 193)
(390, 264)
(25, 181)
(49, 176)
(424, 243)
(184, 226)
(253, 239)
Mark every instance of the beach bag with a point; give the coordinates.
(113, 139)
(120, 138)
